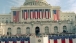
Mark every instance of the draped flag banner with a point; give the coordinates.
(36, 14)
(58, 40)
(15, 40)
(61, 39)
(40, 14)
(56, 15)
(43, 14)
(25, 14)
(15, 16)
(31, 14)
(47, 13)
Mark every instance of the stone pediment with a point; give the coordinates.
(36, 3)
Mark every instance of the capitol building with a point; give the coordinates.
(37, 17)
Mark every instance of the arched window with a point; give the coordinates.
(55, 29)
(6, 21)
(18, 30)
(74, 29)
(9, 31)
(64, 29)
(28, 30)
(46, 29)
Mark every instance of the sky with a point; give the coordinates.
(66, 5)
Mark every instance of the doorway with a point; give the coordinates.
(37, 30)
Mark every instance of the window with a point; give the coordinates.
(71, 19)
(28, 30)
(18, 30)
(33, 3)
(74, 29)
(9, 31)
(64, 29)
(6, 21)
(68, 19)
(2, 18)
(2, 21)
(46, 30)
(6, 18)
(64, 19)
(56, 29)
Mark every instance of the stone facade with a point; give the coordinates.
(30, 28)
(66, 22)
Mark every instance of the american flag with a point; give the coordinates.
(56, 15)
(15, 16)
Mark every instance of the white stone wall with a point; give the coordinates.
(67, 16)
(4, 18)
(33, 26)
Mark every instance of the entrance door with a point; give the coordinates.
(37, 30)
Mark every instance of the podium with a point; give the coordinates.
(39, 39)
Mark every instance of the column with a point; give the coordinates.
(49, 14)
(11, 16)
(43, 14)
(20, 18)
(52, 16)
(28, 11)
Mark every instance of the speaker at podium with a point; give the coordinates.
(39, 39)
